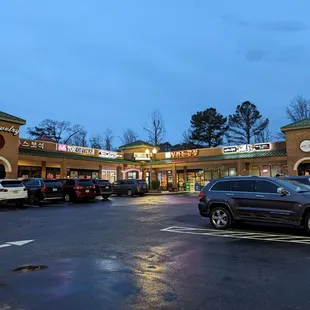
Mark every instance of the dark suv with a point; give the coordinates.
(103, 188)
(43, 189)
(260, 199)
(302, 179)
(130, 187)
(78, 189)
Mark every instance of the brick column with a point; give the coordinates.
(43, 169)
(185, 173)
(174, 176)
(63, 169)
(119, 173)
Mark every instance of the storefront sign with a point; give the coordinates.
(186, 153)
(75, 149)
(141, 156)
(2, 142)
(14, 131)
(107, 154)
(31, 144)
(247, 148)
(305, 146)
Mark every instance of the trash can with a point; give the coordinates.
(187, 187)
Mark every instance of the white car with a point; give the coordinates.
(13, 191)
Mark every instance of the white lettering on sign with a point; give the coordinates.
(247, 148)
(11, 130)
(31, 144)
(107, 154)
(186, 153)
(141, 156)
(80, 150)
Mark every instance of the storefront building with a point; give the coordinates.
(25, 158)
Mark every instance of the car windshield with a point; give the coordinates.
(295, 186)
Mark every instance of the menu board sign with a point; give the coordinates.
(247, 148)
(75, 149)
(107, 154)
(177, 154)
(31, 144)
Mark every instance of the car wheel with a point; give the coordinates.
(307, 223)
(220, 218)
(129, 193)
(67, 197)
(33, 199)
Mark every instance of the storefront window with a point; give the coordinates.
(133, 175)
(109, 175)
(29, 172)
(165, 178)
(52, 173)
(255, 171)
(84, 174)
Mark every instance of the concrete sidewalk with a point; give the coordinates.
(194, 194)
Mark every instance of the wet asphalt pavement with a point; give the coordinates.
(114, 255)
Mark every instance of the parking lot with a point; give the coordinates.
(152, 252)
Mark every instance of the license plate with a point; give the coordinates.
(15, 192)
(107, 187)
(54, 189)
(87, 191)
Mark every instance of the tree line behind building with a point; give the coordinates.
(208, 128)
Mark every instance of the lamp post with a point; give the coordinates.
(150, 155)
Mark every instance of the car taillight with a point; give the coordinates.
(202, 194)
(94, 186)
(78, 187)
(3, 190)
(43, 189)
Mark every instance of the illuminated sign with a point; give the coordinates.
(108, 154)
(141, 156)
(31, 144)
(186, 153)
(75, 149)
(14, 131)
(247, 148)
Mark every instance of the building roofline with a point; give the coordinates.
(11, 118)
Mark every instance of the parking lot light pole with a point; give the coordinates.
(150, 155)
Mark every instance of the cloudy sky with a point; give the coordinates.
(108, 64)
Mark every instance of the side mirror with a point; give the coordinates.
(281, 191)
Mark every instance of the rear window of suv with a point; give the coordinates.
(52, 183)
(12, 184)
(85, 182)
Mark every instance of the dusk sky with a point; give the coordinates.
(109, 64)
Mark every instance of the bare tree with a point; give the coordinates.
(186, 136)
(298, 109)
(280, 136)
(129, 136)
(155, 128)
(59, 131)
(107, 139)
(97, 141)
(79, 139)
(264, 135)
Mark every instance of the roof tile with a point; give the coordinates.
(11, 118)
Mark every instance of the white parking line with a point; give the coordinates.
(16, 243)
(238, 234)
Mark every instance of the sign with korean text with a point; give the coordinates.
(75, 149)
(178, 154)
(14, 131)
(108, 154)
(247, 148)
(141, 156)
(31, 144)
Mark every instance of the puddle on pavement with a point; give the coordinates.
(29, 268)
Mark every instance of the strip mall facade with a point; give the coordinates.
(39, 158)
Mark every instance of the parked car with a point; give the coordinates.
(78, 189)
(13, 191)
(103, 188)
(260, 199)
(40, 189)
(302, 179)
(130, 187)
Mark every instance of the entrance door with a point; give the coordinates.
(2, 172)
(304, 169)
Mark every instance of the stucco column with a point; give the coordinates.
(185, 174)
(43, 169)
(63, 169)
(100, 172)
(240, 168)
(174, 176)
(119, 173)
